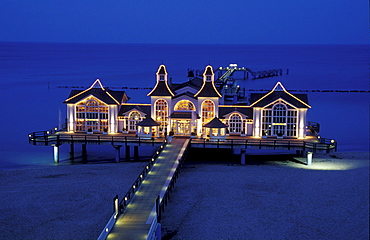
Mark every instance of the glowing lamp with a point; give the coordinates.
(125, 198)
(152, 159)
(332, 141)
(107, 229)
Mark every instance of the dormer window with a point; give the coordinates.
(208, 78)
(161, 77)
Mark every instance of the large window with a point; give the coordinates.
(161, 112)
(235, 123)
(280, 119)
(184, 105)
(208, 111)
(91, 114)
(134, 118)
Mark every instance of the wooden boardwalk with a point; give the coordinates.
(135, 223)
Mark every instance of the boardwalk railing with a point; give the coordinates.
(323, 144)
(47, 138)
(130, 193)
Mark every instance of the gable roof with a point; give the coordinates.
(215, 123)
(97, 90)
(261, 100)
(225, 110)
(148, 122)
(144, 108)
(195, 83)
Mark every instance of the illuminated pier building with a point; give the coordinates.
(192, 108)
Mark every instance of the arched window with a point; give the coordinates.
(235, 123)
(134, 118)
(208, 111)
(91, 114)
(184, 105)
(279, 111)
(161, 112)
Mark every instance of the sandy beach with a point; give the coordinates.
(62, 202)
(274, 200)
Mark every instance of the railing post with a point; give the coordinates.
(274, 144)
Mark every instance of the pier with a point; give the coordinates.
(140, 217)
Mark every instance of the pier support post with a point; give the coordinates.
(242, 156)
(309, 158)
(84, 153)
(118, 152)
(127, 158)
(56, 153)
(136, 153)
(72, 152)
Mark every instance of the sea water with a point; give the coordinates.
(37, 77)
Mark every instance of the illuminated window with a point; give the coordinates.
(91, 114)
(134, 118)
(235, 123)
(208, 111)
(184, 105)
(161, 112)
(279, 120)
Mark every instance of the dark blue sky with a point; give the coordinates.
(191, 21)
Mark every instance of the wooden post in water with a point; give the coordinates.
(136, 153)
(72, 152)
(127, 152)
(84, 153)
(118, 152)
(242, 156)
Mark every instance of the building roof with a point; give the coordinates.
(278, 92)
(261, 100)
(195, 83)
(161, 89)
(247, 111)
(97, 90)
(147, 122)
(189, 94)
(144, 108)
(215, 123)
(208, 88)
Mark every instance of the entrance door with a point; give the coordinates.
(276, 129)
(183, 127)
(93, 125)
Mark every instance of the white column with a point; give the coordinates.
(56, 153)
(309, 158)
(257, 118)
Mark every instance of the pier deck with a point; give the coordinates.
(136, 222)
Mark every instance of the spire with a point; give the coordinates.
(162, 73)
(208, 75)
(161, 88)
(208, 88)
